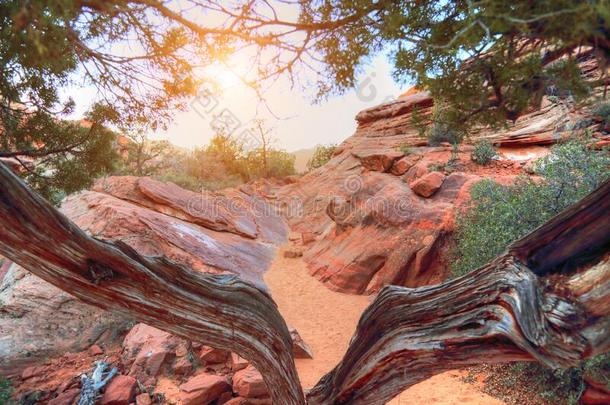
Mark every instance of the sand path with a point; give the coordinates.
(326, 321)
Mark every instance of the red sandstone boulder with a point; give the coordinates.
(428, 184)
(38, 321)
(143, 399)
(378, 161)
(95, 350)
(120, 391)
(300, 349)
(401, 166)
(248, 383)
(210, 355)
(238, 362)
(593, 396)
(148, 350)
(66, 398)
(203, 389)
(182, 366)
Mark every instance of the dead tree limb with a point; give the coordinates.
(218, 310)
(547, 299)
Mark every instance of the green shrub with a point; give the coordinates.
(6, 390)
(321, 155)
(441, 132)
(499, 214)
(602, 112)
(483, 152)
(406, 149)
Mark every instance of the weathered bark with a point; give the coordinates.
(501, 312)
(219, 310)
(536, 302)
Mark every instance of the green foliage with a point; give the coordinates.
(602, 112)
(144, 157)
(223, 163)
(406, 149)
(6, 390)
(72, 168)
(562, 386)
(483, 152)
(48, 46)
(489, 61)
(501, 214)
(321, 155)
(272, 163)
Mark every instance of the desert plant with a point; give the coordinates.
(406, 149)
(602, 112)
(483, 152)
(442, 132)
(568, 173)
(6, 391)
(321, 155)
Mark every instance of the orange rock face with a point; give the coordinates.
(234, 232)
(120, 391)
(203, 389)
(427, 185)
(248, 383)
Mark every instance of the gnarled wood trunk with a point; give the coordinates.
(219, 310)
(529, 304)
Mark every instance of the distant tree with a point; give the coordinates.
(145, 157)
(265, 140)
(321, 155)
(270, 163)
(486, 61)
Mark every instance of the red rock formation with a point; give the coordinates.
(248, 383)
(203, 389)
(427, 185)
(370, 228)
(120, 391)
(231, 232)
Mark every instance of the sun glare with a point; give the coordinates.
(225, 75)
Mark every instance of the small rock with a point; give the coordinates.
(427, 185)
(95, 350)
(203, 389)
(182, 366)
(378, 161)
(300, 349)
(401, 166)
(308, 237)
(224, 398)
(210, 355)
(293, 253)
(143, 399)
(120, 391)
(65, 398)
(238, 362)
(249, 383)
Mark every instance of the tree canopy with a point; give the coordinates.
(485, 62)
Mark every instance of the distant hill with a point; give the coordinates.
(302, 157)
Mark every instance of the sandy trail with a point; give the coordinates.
(326, 321)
